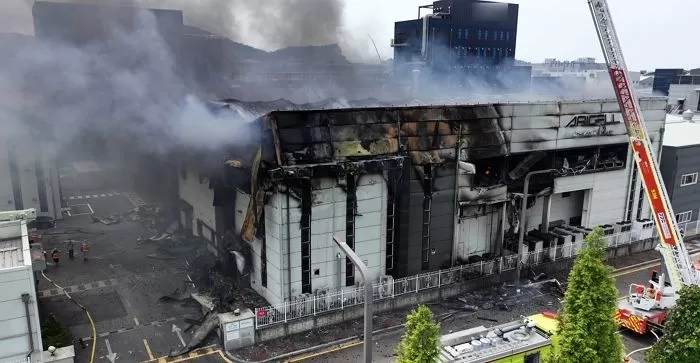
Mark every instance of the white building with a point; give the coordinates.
(387, 181)
(28, 176)
(20, 331)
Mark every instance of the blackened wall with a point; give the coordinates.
(417, 253)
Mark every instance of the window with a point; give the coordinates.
(689, 179)
(479, 34)
(466, 34)
(532, 358)
(459, 33)
(684, 217)
(502, 34)
(495, 35)
(486, 35)
(508, 36)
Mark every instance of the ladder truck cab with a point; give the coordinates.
(647, 305)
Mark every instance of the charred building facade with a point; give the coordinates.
(411, 189)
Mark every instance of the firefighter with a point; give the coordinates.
(55, 255)
(71, 254)
(84, 249)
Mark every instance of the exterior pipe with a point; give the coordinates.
(456, 233)
(25, 300)
(289, 249)
(521, 227)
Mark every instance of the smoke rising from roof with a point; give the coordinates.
(126, 85)
(269, 24)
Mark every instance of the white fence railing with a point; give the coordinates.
(313, 304)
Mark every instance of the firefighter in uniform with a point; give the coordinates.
(84, 248)
(55, 255)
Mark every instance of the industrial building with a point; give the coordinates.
(682, 88)
(28, 175)
(20, 336)
(680, 165)
(461, 43)
(412, 189)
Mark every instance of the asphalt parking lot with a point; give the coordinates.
(119, 284)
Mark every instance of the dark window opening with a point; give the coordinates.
(427, 204)
(317, 272)
(263, 252)
(306, 237)
(640, 202)
(14, 177)
(41, 182)
(565, 194)
(390, 221)
(200, 228)
(532, 358)
(633, 186)
(350, 211)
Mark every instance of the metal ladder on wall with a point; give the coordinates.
(427, 216)
(390, 227)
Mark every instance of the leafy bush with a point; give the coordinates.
(421, 342)
(52, 333)
(681, 340)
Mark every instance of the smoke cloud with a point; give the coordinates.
(128, 85)
(270, 24)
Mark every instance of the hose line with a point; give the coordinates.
(92, 323)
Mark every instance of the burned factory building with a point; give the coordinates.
(411, 189)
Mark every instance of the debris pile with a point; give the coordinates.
(504, 297)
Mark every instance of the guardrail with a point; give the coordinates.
(313, 304)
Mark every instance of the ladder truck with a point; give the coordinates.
(647, 305)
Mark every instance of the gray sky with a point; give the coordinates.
(654, 34)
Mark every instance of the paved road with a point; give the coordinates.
(384, 346)
(119, 285)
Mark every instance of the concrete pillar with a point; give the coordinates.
(501, 230)
(546, 206)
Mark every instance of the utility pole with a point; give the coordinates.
(521, 227)
(364, 272)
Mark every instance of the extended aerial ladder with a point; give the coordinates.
(645, 304)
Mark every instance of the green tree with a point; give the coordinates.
(52, 333)
(587, 329)
(421, 342)
(681, 340)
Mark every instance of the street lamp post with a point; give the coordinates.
(364, 272)
(521, 227)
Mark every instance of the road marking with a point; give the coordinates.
(136, 320)
(195, 354)
(314, 355)
(111, 356)
(644, 266)
(148, 349)
(178, 332)
(224, 357)
(91, 211)
(79, 288)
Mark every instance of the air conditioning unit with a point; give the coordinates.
(642, 229)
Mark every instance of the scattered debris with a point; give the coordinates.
(106, 220)
(210, 322)
(487, 319)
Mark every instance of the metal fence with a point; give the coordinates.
(319, 303)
